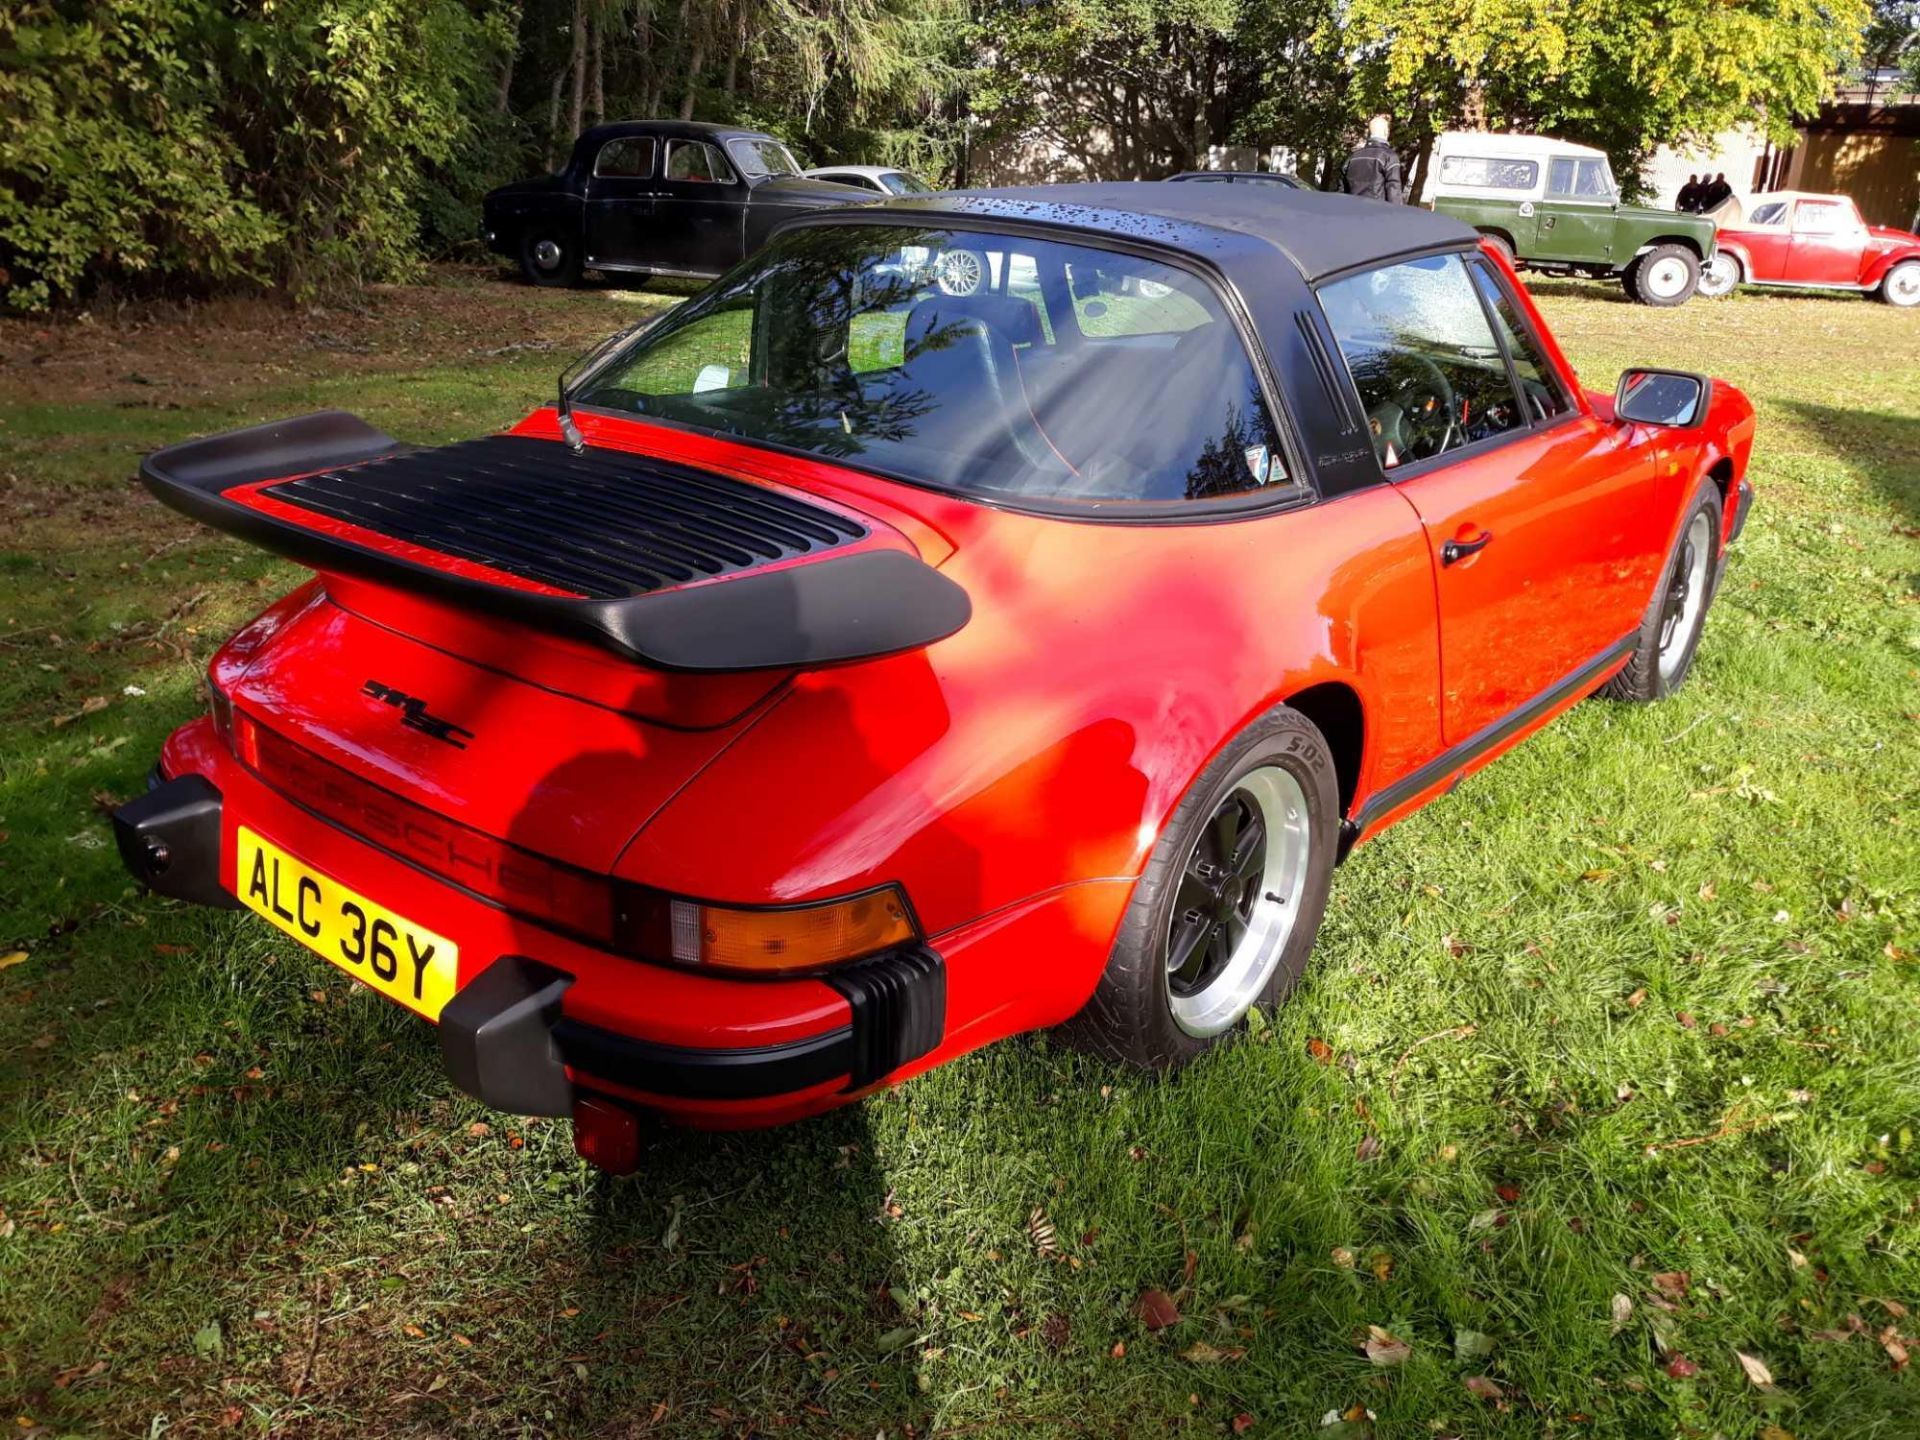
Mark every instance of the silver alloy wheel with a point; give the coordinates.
(1719, 275)
(1903, 283)
(546, 254)
(1664, 278)
(961, 272)
(1686, 595)
(1241, 887)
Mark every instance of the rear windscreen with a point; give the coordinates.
(984, 364)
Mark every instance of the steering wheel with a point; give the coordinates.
(1421, 417)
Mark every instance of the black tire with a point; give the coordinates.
(1900, 286)
(1660, 261)
(1645, 678)
(1504, 246)
(1130, 1015)
(561, 271)
(1630, 279)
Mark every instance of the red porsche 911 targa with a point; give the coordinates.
(857, 666)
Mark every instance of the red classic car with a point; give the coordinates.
(1818, 242)
(844, 674)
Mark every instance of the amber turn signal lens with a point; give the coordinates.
(772, 942)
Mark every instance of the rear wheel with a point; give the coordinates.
(1902, 285)
(546, 259)
(1666, 275)
(1226, 912)
(1720, 276)
(1670, 629)
(1503, 246)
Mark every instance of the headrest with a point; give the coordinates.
(1015, 321)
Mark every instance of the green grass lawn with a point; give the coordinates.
(1607, 1066)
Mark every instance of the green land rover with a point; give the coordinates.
(1554, 207)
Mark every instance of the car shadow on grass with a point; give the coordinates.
(1882, 446)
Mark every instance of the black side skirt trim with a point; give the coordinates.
(1582, 681)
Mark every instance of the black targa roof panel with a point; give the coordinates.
(1319, 232)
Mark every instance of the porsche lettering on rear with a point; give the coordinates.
(977, 613)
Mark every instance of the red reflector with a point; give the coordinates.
(524, 883)
(606, 1135)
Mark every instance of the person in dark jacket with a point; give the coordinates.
(1689, 194)
(1715, 194)
(1373, 170)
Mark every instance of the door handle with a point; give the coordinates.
(1459, 549)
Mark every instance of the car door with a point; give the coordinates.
(1540, 518)
(1767, 240)
(1828, 239)
(1575, 220)
(619, 210)
(699, 210)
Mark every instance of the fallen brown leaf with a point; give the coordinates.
(1756, 1369)
(1385, 1348)
(1482, 1388)
(1673, 1283)
(1156, 1309)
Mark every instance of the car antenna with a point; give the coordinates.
(569, 431)
(585, 366)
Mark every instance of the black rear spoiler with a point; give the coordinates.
(631, 525)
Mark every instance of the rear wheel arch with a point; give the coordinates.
(1336, 710)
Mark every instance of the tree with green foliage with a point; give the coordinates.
(185, 140)
(1625, 75)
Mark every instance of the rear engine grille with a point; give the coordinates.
(600, 524)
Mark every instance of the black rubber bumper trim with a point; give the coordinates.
(1742, 503)
(169, 840)
(899, 1005)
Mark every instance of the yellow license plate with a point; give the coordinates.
(395, 956)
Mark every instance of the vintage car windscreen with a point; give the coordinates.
(759, 157)
(989, 365)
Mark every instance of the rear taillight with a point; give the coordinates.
(611, 914)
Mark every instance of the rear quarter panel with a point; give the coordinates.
(1045, 744)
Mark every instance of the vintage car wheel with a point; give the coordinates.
(1720, 276)
(1666, 275)
(1902, 285)
(548, 260)
(962, 272)
(1504, 246)
(1225, 913)
(1670, 631)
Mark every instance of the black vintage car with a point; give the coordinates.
(653, 197)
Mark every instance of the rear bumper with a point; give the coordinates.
(513, 1035)
(507, 1041)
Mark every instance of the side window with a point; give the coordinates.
(698, 162)
(1110, 300)
(629, 159)
(1484, 173)
(1540, 384)
(1578, 178)
(1430, 373)
(1774, 212)
(1821, 217)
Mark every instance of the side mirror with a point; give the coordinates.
(1662, 397)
